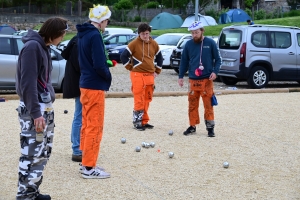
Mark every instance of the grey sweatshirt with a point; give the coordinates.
(34, 72)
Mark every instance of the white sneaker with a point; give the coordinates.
(81, 168)
(94, 173)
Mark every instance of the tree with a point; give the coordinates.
(138, 4)
(123, 4)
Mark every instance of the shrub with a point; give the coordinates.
(137, 19)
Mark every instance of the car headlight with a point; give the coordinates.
(114, 51)
(166, 51)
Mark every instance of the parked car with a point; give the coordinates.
(109, 31)
(176, 53)
(259, 54)
(117, 39)
(167, 42)
(61, 46)
(22, 32)
(10, 47)
(115, 53)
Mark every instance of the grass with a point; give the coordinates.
(215, 30)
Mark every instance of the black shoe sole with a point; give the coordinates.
(211, 135)
(76, 159)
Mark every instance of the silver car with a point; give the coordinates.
(10, 47)
(259, 54)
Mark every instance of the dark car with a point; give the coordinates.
(115, 53)
(176, 54)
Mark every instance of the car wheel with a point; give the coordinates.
(228, 80)
(176, 70)
(259, 78)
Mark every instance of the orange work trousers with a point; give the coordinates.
(142, 89)
(203, 88)
(93, 105)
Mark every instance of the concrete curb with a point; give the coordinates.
(166, 94)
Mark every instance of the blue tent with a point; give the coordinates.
(233, 15)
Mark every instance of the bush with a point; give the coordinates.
(260, 14)
(152, 4)
(123, 4)
(137, 19)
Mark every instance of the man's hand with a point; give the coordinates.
(39, 124)
(212, 77)
(180, 82)
(155, 74)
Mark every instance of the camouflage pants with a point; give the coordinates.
(34, 155)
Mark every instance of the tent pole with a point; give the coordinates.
(196, 10)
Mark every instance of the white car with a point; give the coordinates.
(61, 46)
(167, 43)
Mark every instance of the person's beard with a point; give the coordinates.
(198, 39)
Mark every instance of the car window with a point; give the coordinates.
(230, 39)
(131, 39)
(183, 42)
(298, 39)
(280, 39)
(122, 39)
(5, 47)
(20, 44)
(168, 39)
(113, 40)
(259, 39)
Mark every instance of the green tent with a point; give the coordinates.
(166, 20)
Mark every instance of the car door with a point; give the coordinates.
(8, 63)
(55, 68)
(283, 55)
(297, 39)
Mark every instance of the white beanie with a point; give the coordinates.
(99, 13)
(195, 25)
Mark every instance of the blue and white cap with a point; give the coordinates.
(195, 25)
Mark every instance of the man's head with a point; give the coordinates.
(99, 16)
(248, 21)
(197, 31)
(144, 31)
(53, 30)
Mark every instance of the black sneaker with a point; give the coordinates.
(43, 197)
(189, 130)
(149, 126)
(211, 132)
(139, 127)
(76, 158)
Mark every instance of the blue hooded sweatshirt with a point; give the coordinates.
(95, 73)
(190, 59)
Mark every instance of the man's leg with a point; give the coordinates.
(208, 108)
(75, 133)
(193, 98)
(34, 155)
(148, 98)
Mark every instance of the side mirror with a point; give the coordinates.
(107, 42)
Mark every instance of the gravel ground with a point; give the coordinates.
(258, 134)
(167, 81)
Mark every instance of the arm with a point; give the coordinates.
(218, 59)
(125, 58)
(184, 63)
(99, 58)
(159, 61)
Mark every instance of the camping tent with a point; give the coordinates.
(233, 15)
(206, 20)
(6, 29)
(166, 20)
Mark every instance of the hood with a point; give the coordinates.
(84, 29)
(119, 47)
(33, 35)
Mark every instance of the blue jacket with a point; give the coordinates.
(190, 58)
(95, 73)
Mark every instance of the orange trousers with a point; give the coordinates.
(142, 89)
(203, 88)
(93, 105)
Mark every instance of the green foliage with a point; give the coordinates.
(260, 14)
(248, 3)
(151, 4)
(248, 11)
(137, 19)
(123, 4)
(292, 13)
(216, 13)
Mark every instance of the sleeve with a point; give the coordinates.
(126, 58)
(67, 51)
(159, 61)
(184, 62)
(217, 57)
(30, 60)
(99, 58)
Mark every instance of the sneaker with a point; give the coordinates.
(139, 127)
(43, 197)
(211, 132)
(189, 130)
(76, 158)
(94, 173)
(81, 168)
(149, 126)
